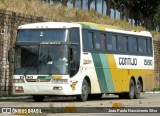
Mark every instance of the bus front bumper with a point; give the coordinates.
(43, 89)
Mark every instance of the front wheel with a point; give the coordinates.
(84, 92)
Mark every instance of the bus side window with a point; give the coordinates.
(149, 45)
(90, 40)
(84, 39)
(74, 35)
(132, 44)
(122, 43)
(142, 45)
(102, 41)
(112, 43)
(97, 41)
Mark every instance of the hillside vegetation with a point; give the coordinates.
(58, 12)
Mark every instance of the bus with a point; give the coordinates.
(81, 59)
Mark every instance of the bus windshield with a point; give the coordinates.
(41, 59)
(38, 35)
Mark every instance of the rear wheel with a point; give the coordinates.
(131, 92)
(84, 92)
(138, 89)
(38, 98)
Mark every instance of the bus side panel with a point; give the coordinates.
(103, 72)
(88, 69)
(120, 77)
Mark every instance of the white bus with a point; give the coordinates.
(82, 59)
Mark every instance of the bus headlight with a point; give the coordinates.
(59, 81)
(18, 81)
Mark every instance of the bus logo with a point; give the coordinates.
(26, 77)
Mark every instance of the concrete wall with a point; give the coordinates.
(9, 21)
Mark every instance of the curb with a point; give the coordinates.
(151, 92)
(30, 97)
(15, 98)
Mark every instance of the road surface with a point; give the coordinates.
(107, 101)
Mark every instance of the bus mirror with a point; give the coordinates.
(10, 56)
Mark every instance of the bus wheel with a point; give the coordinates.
(95, 96)
(38, 98)
(138, 89)
(122, 95)
(131, 90)
(84, 93)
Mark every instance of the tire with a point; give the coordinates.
(122, 95)
(131, 90)
(95, 96)
(84, 92)
(38, 98)
(138, 89)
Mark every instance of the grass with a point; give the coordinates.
(156, 89)
(59, 12)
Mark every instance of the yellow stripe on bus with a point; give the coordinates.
(121, 77)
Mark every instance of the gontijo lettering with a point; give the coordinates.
(127, 61)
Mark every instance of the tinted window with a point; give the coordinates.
(84, 38)
(142, 45)
(102, 41)
(111, 43)
(74, 35)
(90, 40)
(122, 43)
(42, 35)
(149, 45)
(132, 45)
(97, 41)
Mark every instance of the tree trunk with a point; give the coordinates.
(82, 4)
(114, 10)
(121, 12)
(74, 3)
(64, 2)
(88, 5)
(159, 27)
(135, 22)
(102, 6)
(96, 5)
(108, 4)
(127, 14)
(131, 11)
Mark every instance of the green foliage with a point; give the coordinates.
(156, 89)
(143, 11)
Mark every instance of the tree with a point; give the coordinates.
(64, 2)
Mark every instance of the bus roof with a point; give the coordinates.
(49, 25)
(110, 28)
(85, 25)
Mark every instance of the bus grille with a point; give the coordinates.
(38, 80)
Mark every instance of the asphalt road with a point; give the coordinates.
(146, 100)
